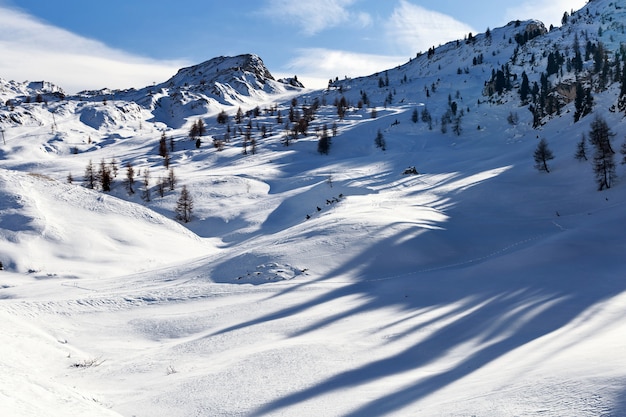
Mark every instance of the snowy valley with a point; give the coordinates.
(382, 247)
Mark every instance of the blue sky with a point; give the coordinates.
(93, 44)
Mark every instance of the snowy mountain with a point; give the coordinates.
(383, 247)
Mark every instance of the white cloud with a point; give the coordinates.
(315, 16)
(315, 66)
(34, 51)
(412, 28)
(550, 13)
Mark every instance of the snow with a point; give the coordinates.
(311, 284)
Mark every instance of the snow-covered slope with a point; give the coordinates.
(308, 284)
(50, 229)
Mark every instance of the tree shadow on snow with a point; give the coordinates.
(498, 299)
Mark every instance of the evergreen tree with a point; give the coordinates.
(146, 184)
(603, 157)
(415, 116)
(89, 178)
(113, 167)
(427, 118)
(104, 175)
(130, 178)
(323, 144)
(342, 108)
(577, 62)
(581, 149)
(598, 58)
(161, 183)
(380, 140)
(542, 155)
(163, 145)
(583, 102)
(193, 131)
(553, 66)
(184, 206)
(171, 179)
(201, 127)
(222, 117)
(524, 89)
(456, 125)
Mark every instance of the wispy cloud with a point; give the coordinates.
(413, 28)
(315, 16)
(315, 66)
(550, 13)
(33, 50)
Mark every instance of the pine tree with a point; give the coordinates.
(201, 127)
(456, 125)
(239, 116)
(161, 183)
(130, 178)
(524, 89)
(104, 175)
(603, 157)
(146, 184)
(171, 178)
(222, 118)
(323, 144)
(193, 131)
(89, 178)
(113, 168)
(581, 149)
(380, 140)
(415, 116)
(163, 145)
(184, 206)
(583, 102)
(542, 155)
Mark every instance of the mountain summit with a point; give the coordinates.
(222, 70)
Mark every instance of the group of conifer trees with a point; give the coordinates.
(602, 158)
